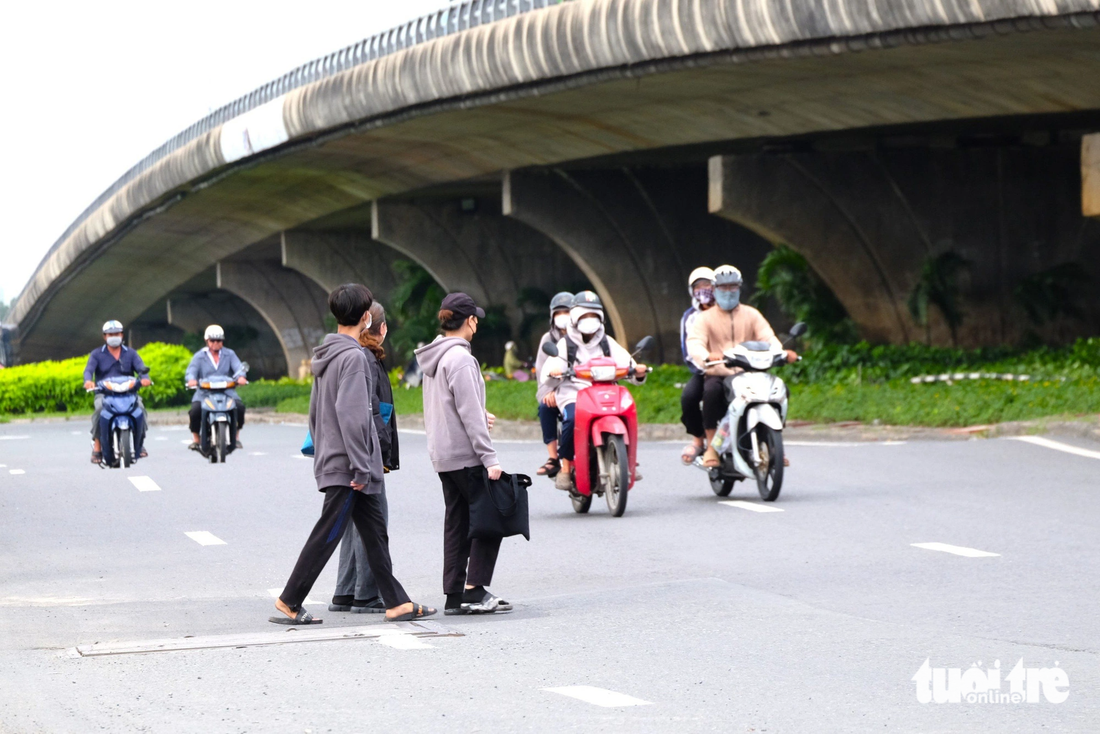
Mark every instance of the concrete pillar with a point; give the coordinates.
(1090, 175)
(868, 221)
(292, 304)
(467, 245)
(636, 235)
(331, 258)
(193, 312)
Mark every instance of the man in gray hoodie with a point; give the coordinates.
(347, 464)
(462, 453)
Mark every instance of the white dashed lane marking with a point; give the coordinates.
(161, 438)
(205, 537)
(257, 453)
(751, 506)
(16, 471)
(13, 438)
(598, 696)
(144, 484)
(957, 550)
(1058, 446)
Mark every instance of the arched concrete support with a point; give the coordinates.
(869, 221)
(476, 250)
(636, 235)
(331, 258)
(291, 303)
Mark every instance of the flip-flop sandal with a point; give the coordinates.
(550, 468)
(144, 454)
(690, 454)
(302, 617)
(419, 610)
(375, 607)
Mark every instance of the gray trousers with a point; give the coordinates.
(355, 579)
(98, 409)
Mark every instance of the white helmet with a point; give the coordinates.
(112, 327)
(727, 275)
(700, 273)
(214, 332)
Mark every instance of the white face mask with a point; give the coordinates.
(588, 326)
(114, 341)
(562, 321)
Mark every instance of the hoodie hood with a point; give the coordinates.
(428, 356)
(333, 346)
(578, 338)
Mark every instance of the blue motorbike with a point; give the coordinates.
(122, 422)
(218, 430)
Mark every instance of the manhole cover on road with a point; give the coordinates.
(419, 630)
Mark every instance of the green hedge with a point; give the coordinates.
(59, 386)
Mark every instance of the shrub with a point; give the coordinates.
(59, 386)
(269, 393)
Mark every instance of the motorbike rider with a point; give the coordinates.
(548, 404)
(715, 331)
(113, 359)
(584, 339)
(213, 360)
(701, 290)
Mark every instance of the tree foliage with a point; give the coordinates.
(413, 309)
(785, 276)
(938, 286)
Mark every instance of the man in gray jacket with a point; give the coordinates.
(462, 453)
(347, 464)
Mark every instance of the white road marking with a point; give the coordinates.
(752, 506)
(274, 594)
(280, 636)
(76, 433)
(13, 438)
(16, 471)
(3, 466)
(205, 537)
(186, 442)
(161, 438)
(599, 696)
(1057, 446)
(257, 453)
(958, 550)
(402, 641)
(300, 456)
(145, 484)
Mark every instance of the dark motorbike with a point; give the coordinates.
(122, 422)
(218, 429)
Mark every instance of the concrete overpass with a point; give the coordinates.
(504, 145)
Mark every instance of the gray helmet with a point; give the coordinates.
(563, 300)
(727, 275)
(587, 300)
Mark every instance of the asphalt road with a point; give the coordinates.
(705, 616)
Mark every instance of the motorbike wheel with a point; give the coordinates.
(618, 474)
(222, 442)
(721, 485)
(769, 472)
(581, 502)
(125, 452)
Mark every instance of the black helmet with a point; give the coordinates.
(560, 301)
(587, 300)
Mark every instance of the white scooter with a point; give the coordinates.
(751, 435)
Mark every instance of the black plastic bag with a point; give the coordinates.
(498, 508)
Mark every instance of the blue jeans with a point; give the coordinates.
(548, 419)
(568, 420)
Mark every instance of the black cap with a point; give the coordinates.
(461, 305)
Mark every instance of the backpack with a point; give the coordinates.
(571, 349)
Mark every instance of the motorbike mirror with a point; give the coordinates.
(245, 367)
(550, 348)
(644, 345)
(798, 329)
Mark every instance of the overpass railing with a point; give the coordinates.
(457, 17)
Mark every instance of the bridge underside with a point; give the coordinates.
(871, 164)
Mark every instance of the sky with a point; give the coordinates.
(91, 88)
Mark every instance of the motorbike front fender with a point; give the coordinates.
(765, 413)
(608, 424)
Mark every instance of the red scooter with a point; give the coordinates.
(606, 426)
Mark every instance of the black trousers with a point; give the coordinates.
(691, 411)
(458, 550)
(715, 404)
(343, 505)
(194, 416)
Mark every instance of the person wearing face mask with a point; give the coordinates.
(213, 360)
(584, 339)
(548, 405)
(114, 359)
(701, 289)
(717, 330)
(356, 589)
(457, 427)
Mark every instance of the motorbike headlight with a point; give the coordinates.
(603, 373)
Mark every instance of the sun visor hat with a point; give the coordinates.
(461, 304)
